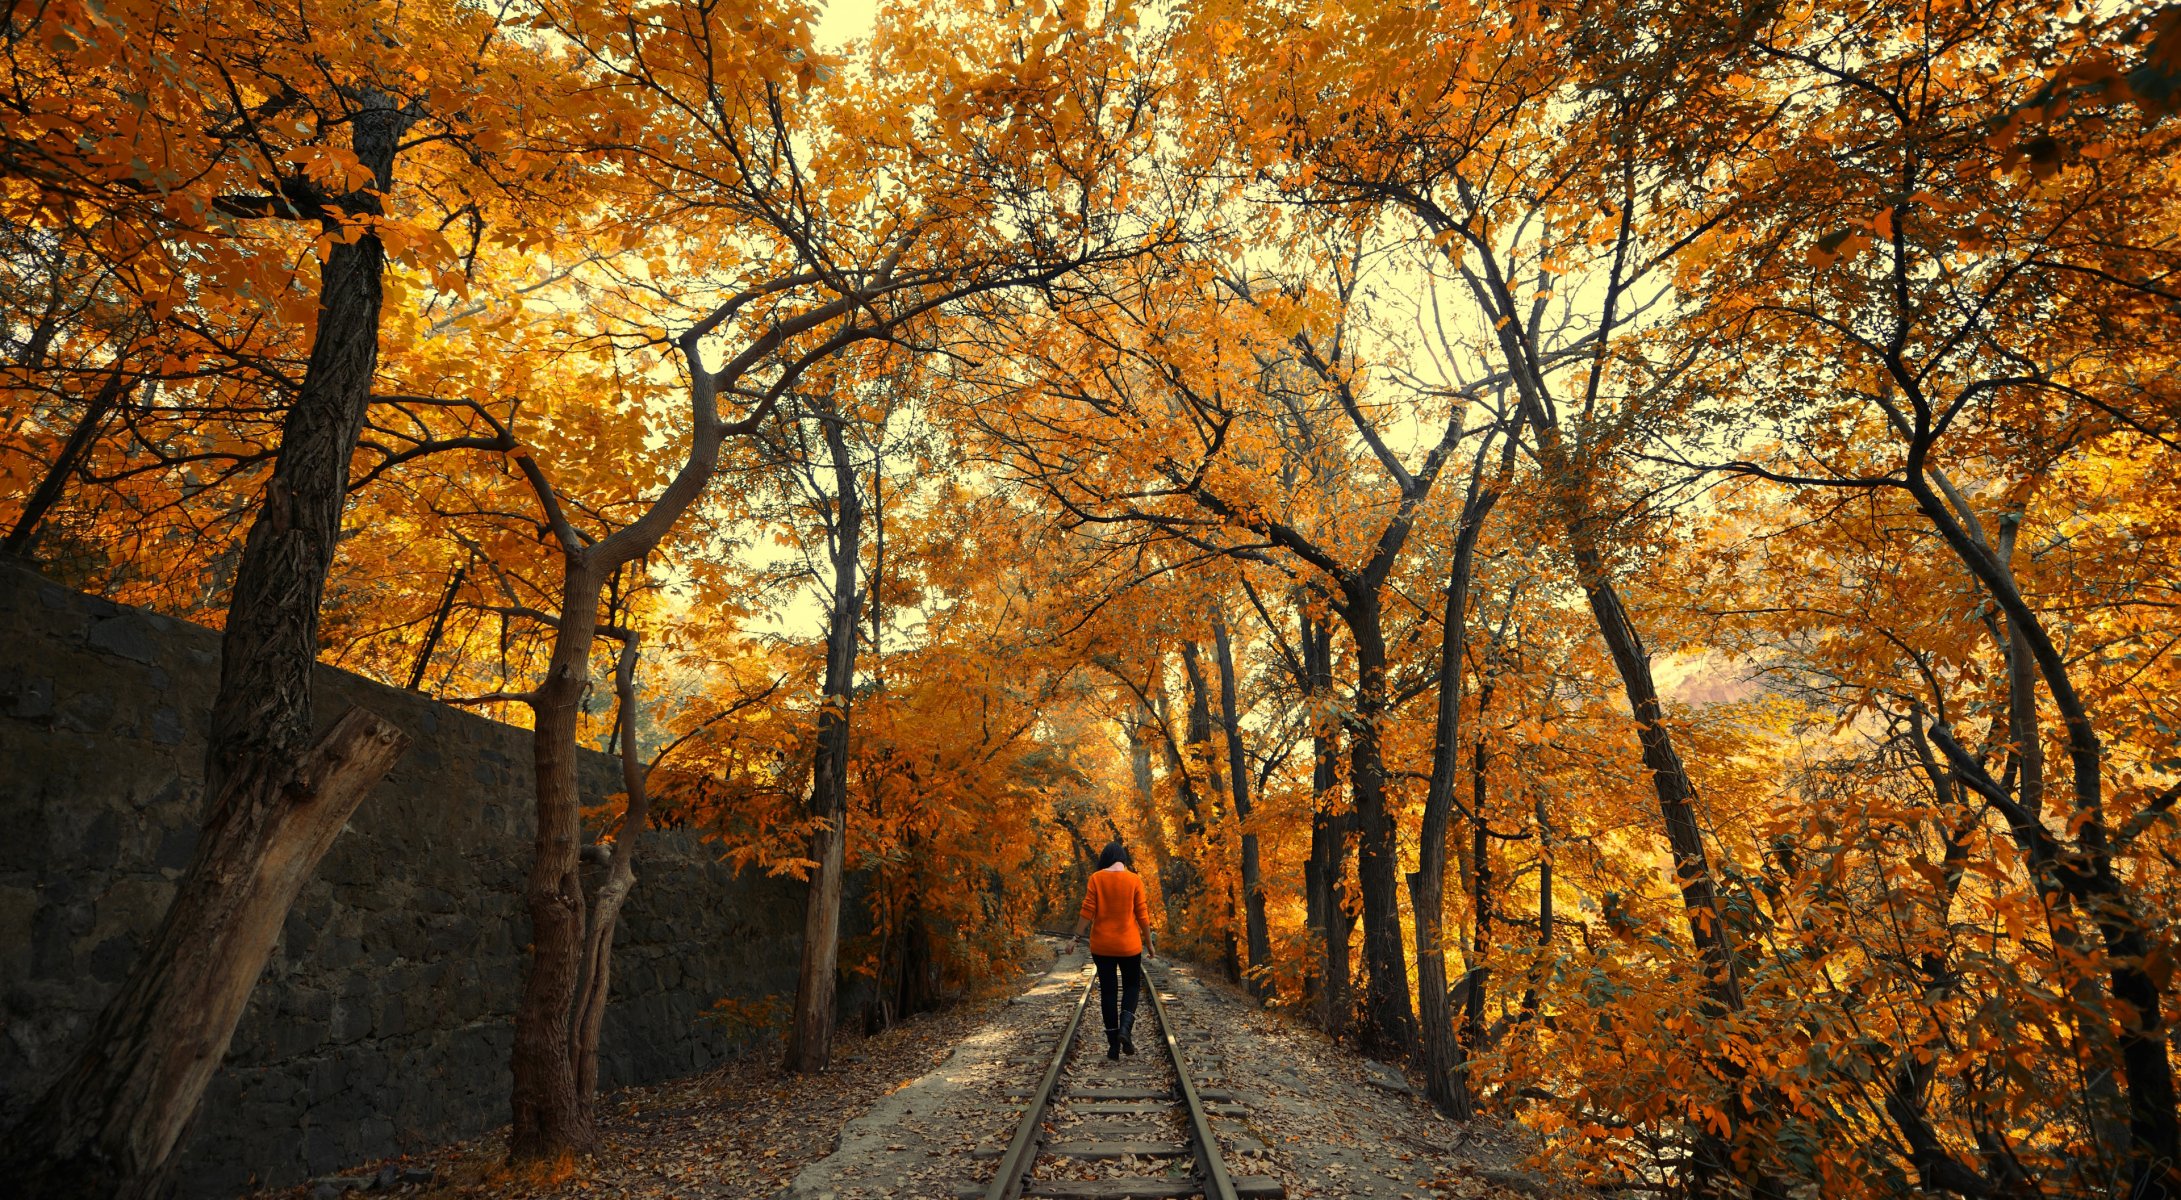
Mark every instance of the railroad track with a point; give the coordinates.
(1137, 1129)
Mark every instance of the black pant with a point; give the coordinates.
(1130, 968)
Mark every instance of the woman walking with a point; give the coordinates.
(1120, 939)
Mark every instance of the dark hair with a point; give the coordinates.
(1114, 852)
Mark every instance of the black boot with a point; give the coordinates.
(1128, 1031)
(1113, 1042)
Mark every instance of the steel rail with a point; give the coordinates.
(1015, 1165)
(1217, 1185)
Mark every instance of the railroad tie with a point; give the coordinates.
(1144, 1109)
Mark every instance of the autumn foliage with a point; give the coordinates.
(1624, 553)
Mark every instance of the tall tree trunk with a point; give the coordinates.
(2153, 1117)
(1479, 975)
(1390, 1019)
(1140, 736)
(1714, 1159)
(1253, 889)
(1446, 1070)
(1181, 882)
(877, 576)
(1567, 485)
(595, 983)
(810, 1033)
(1200, 754)
(1544, 902)
(1325, 898)
(550, 1122)
(113, 1124)
(1632, 662)
(22, 540)
(2028, 752)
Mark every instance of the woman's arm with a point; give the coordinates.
(1084, 915)
(1143, 922)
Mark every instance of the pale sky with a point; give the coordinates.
(844, 20)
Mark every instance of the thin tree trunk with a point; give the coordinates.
(1259, 971)
(1472, 1028)
(810, 1033)
(1147, 812)
(2153, 1118)
(877, 576)
(1200, 752)
(438, 627)
(595, 984)
(1390, 1020)
(1567, 485)
(1544, 906)
(2028, 751)
(1180, 884)
(113, 1124)
(1693, 878)
(1446, 1063)
(1325, 875)
(22, 540)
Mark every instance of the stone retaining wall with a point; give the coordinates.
(383, 1021)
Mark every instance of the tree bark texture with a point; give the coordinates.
(1325, 887)
(549, 1117)
(1446, 1067)
(1479, 974)
(1389, 1018)
(1200, 755)
(113, 1125)
(1259, 935)
(810, 1033)
(595, 984)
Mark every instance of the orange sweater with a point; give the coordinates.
(1114, 905)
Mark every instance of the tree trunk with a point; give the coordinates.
(1446, 1065)
(1147, 813)
(2023, 723)
(1544, 904)
(550, 1122)
(1200, 753)
(810, 1034)
(113, 1124)
(1259, 935)
(2146, 1064)
(1472, 1029)
(22, 540)
(1180, 884)
(1567, 484)
(595, 983)
(438, 627)
(1325, 892)
(1390, 1019)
